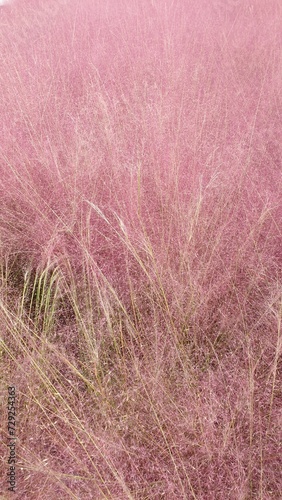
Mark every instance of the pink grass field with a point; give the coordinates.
(141, 249)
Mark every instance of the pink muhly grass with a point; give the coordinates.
(140, 247)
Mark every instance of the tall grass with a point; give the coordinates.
(140, 233)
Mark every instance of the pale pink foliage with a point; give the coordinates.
(141, 154)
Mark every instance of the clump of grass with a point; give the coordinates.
(140, 248)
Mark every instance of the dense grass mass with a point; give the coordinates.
(140, 248)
